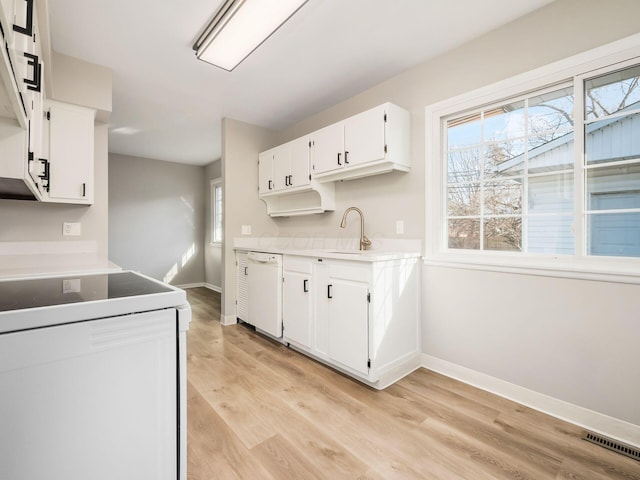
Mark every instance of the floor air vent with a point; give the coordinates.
(629, 451)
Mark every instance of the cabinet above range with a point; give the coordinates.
(52, 160)
(46, 146)
(296, 178)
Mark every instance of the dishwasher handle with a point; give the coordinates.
(261, 257)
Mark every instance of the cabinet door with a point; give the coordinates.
(296, 307)
(265, 172)
(349, 324)
(348, 316)
(364, 137)
(26, 62)
(281, 168)
(327, 148)
(70, 153)
(242, 287)
(300, 165)
(7, 14)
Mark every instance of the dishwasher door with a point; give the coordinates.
(265, 292)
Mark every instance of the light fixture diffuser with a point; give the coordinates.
(241, 26)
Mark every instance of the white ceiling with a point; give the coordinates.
(168, 106)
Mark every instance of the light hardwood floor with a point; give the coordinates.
(258, 410)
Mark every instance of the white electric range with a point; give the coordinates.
(93, 378)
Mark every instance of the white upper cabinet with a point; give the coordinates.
(295, 178)
(364, 137)
(327, 148)
(27, 59)
(47, 149)
(299, 166)
(281, 166)
(20, 60)
(284, 167)
(70, 153)
(265, 173)
(373, 142)
(284, 181)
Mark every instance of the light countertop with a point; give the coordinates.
(335, 248)
(45, 259)
(355, 255)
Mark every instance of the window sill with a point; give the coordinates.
(604, 269)
(215, 244)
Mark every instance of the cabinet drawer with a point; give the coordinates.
(297, 264)
(354, 271)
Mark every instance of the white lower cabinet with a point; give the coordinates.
(297, 310)
(359, 317)
(347, 319)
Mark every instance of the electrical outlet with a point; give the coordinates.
(246, 229)
(400, 227)
(71, 229)
(71, 285)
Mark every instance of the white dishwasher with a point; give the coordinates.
(265, 292)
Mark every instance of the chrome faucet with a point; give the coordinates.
(364, 241)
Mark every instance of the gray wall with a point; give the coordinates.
(156, 218)
(568, 339)
(212, 253)
(241, 144)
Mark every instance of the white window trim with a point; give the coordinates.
(214, 183)
(622, 270)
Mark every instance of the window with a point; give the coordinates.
(510, 175)
(216, 211)
(612, 162)
(542, 166)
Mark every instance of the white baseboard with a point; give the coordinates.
(596, 422)
(228, 319)
(401, 370)
(213, 287)
(190, 285)
(200, 284)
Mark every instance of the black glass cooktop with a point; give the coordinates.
(42, 292)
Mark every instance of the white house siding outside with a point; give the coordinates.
(608, 188)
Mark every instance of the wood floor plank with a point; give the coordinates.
(213, 450)
(259, 410)
(247, 412)
(283, 460)
(386, 446)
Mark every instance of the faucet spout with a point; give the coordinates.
(364, 241)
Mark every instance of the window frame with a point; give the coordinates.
(579, 265)
(216, 238)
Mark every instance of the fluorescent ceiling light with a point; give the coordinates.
(239, 27)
